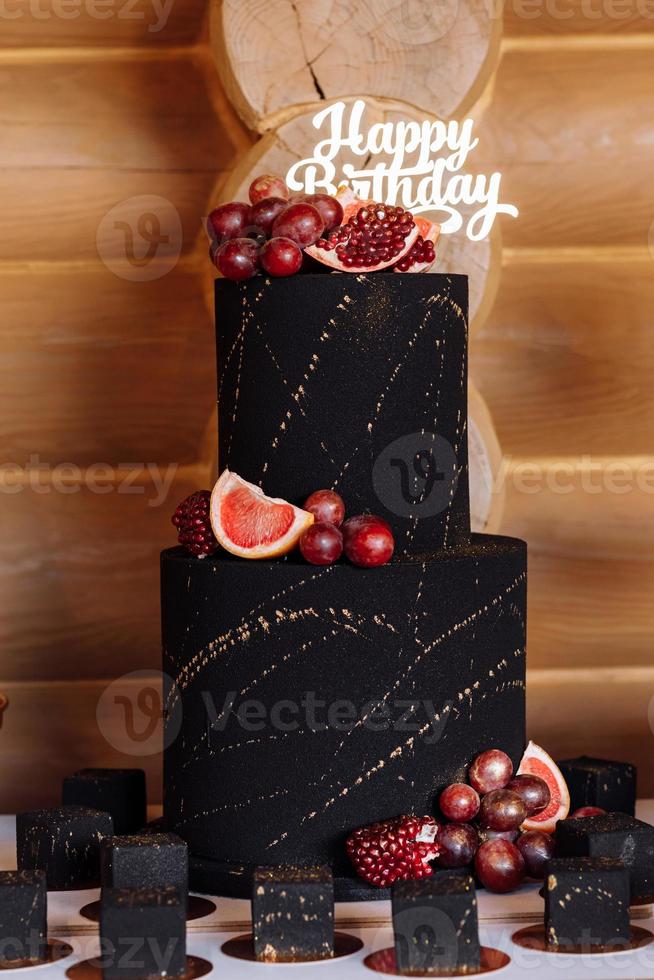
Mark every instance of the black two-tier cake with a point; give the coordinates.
(305, 701)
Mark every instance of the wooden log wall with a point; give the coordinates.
(100, 114)
(107, 363)
(564, 362)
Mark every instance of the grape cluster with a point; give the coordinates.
(483, 819)
(367, 540)
(276, 230)
(271, 231)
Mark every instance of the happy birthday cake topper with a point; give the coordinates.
(434, 182)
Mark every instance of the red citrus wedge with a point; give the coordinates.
(537, 762)
(249, 524)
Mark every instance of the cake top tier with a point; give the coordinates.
(356, 382)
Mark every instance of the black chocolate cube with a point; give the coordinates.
(120, 792)
(293, 914)
(65, 843)
(23, 915)
(145, 861)
(435, 924)
(613, 835)
(598, 782)
(586, 902)
(142, 933)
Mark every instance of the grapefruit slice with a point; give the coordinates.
(249, 524)
(537, 762)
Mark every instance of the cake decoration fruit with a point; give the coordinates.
(458, 843)
(534, 792)
(238, 258)
(375, 237)
(329, 208)
(321, 544)
(281, 257)
(537, 848)
(342, 232)
(238, 516)
(485, 833)
(229, 221)
(193, 523)
(368, 541)
(265, 211)
(488, 821)
(502, 810)
(268, 185)
(249, 524)
(423, 254)
(587, 811)
(500, 866)
(300, 222)
(459, 803)
(490, 770)
(394, 850)
(326, 505)
(537, 762)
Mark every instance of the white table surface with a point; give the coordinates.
(500, 917)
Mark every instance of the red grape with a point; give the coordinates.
(587, 811)
(326, 505)
(301, 222)
(268, 185)
(321, 544)
(458, 843)
(264, 212)
(499, 865)
(532, 790)
(459, 802)
(362, 519)
(229, 221)
(367, 541)
(502, 810)
(281, 257)
(536, 848)
(486, 834)
(490, 770)
(238, 258)
(329, 208)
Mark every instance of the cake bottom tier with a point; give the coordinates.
(305, 702)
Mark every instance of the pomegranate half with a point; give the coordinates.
(372, 237)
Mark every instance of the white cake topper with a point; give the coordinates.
(433, 183)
